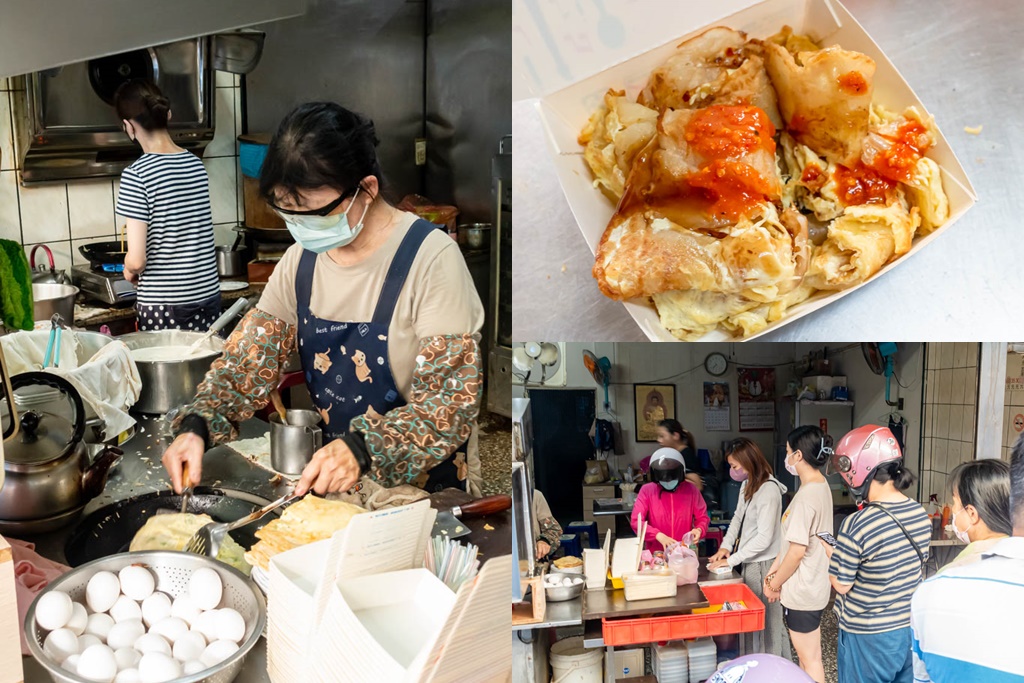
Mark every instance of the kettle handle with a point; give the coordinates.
(32, 256)
(28, 379)
(8, 396)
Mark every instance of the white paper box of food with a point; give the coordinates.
(555, 44)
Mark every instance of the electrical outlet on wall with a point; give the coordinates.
(421, 151)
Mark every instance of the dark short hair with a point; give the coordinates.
(812, 444)
(985, 484)
(319, 144)
(1017, 483)
(141, 102)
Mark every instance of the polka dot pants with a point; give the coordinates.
(196, 317)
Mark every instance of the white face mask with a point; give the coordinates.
(669, 485)
(962, 535)
(323, 233)
(790, 468)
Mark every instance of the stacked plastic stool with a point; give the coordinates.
(571, 544)
(588, 528)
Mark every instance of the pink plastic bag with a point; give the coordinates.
(683, 562)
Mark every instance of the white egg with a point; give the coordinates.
(193, 667)
(230, 625)
(125, 633)
(53, 610)
(87, 640)
(79, 618)
(102, 591)
(185, 609)
(61, 644)
(136, 582)
(205, 588)
(157, 668)
(99, 625)
(216, 652)
(151, 642)
(156, 608)
(127, 658)
(171, 628)
(128, 676)
(208, 624)
(189, 646)
(71, 664)
(97, 664)
(125, 609)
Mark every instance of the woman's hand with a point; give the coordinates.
(715, 564)
(772, 595)
(722, 554)
(828, 548)
(131, 275)
(333, 468)
(543, 548)
(664, 540)
(695, 535)
(187, 447)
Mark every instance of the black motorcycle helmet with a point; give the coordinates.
(666, 467)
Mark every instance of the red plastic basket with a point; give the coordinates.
(685, 626)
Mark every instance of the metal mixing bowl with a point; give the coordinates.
(563, 593)
(172, 570)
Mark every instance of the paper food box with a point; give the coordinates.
(570, 54)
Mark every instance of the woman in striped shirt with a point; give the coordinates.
(165, 196)
(878, 561)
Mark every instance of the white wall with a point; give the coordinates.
(646, 363)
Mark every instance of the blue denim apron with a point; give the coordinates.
(346, 363)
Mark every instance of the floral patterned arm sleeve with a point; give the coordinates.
(438, 418)
(239, 382)
(550, 531)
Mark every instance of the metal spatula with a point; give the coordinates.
(207, 540)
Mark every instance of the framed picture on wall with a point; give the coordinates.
(652, 403)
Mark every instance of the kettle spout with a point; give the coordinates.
(95, 476)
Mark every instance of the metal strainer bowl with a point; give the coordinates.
(172, 571)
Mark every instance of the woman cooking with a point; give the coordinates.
(382, 309)
(671, 506)
(165, 197)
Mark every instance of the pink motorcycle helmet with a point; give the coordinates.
(860, 452)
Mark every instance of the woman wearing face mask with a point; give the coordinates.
(382, 309)
(798, 577)
(879, 560)
(981, 507)
(672, 435)
(756, 532)
(670, 505)
(165, 197)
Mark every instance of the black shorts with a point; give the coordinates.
(802, 621)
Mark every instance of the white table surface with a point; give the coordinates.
(966, 62)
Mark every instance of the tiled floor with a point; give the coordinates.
(496, 453)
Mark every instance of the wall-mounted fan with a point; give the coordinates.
(881, 358)
(539, 363)
(600, 369)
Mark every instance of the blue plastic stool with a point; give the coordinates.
(588, 528)
(571, 544)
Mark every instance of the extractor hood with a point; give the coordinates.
(36, 35)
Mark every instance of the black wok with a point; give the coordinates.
(110, 529)
(103, 253)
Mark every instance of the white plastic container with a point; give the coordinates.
(703, 658)
(670, 663)
(595, 568)
(573, 663)
(649, 585)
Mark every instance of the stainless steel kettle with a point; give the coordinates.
(40, 273)
(8, 427)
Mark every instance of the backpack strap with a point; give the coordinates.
(906, 533)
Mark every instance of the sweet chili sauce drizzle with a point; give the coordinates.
(897, 160)
(862, 185)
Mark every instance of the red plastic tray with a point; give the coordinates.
(685, 626)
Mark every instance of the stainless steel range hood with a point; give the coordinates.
(36, 35)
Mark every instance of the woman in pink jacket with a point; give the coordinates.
(670, 505)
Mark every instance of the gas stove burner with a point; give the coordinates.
(106, 287)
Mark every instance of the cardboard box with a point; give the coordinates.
(569, 56)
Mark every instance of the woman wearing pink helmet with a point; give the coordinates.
(878, 560)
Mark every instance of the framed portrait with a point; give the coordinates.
(652, 403)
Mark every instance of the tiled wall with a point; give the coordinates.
(1013, 402)
(950, 413)
(69, 214)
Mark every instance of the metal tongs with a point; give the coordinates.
(53, 344)
(207, 540)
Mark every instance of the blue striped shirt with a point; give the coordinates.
(171, 194)
(967, 620)
(877, 559)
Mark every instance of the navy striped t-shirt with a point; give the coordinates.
(171, 194)
(877, 558)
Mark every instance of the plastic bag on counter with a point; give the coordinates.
(683, 562)
(597, 472)
(438, 214)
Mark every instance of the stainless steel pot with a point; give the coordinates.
(475, 235)
(229, 261)
(169, 384)
(47, 468)
(50, 298)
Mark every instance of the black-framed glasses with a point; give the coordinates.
(322, 211)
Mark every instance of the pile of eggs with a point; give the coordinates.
(127, 632)
(554, 580)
